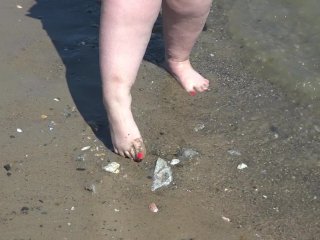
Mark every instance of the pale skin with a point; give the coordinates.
(125, 30)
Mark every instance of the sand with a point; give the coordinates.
(51, 91)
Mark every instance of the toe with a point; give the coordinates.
(139, 149)
(132, 153)
(121, 153)
(127, 154)
(192, 93)
(116, 151)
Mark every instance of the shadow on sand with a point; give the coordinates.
(73, 27)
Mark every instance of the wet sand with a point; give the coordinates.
(51, 90)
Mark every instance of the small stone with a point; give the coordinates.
(81, 166)
(7, 167)
(199, 127)
(112, 167)
(24, 210)
(81, 157)
(234, 152)
(91, 188)
(19, 130)
(57, 99)
(242, 166)
(19, 6)
(317, 128)
(81, 163)
(44, 116)
(188, 153)
(51, 125)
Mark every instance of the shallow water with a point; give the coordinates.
(282, 41)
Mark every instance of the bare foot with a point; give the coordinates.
(189, 79)
(125, 135)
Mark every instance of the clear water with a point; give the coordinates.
(282, 38)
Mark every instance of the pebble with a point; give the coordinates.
(112, 167)
(7, 167)
(81, 157)
(234, 152)
(199, 127)
(51, 125)
(19, 130)
(81, 165)
(242, 166)
(188, 153)
(91, 188)
(24, 210)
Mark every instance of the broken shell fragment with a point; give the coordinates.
(112, 167)
(85, 148)
(153, 207)
(242, 166)
(174, 161)
(225, 219)
(162, 175)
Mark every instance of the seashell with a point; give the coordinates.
(85, 148)
(153, 207)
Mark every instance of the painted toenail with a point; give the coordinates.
(192, 93)
(140, 155)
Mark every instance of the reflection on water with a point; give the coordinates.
(282, 38)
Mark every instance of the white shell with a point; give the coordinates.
(85, 148)
(174, 161)
(225, 219)
(242, 166)
(112, 167)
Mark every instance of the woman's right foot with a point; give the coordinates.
(125, 135)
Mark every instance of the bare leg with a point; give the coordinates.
(124, 34)
(183, 23)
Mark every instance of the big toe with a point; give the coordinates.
(140, 150)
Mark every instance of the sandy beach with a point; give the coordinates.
(256, 175)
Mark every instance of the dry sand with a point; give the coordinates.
(49, 66)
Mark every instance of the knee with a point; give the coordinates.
(190, 8)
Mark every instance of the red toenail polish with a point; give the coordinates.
(140, 155)
(192, 93)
